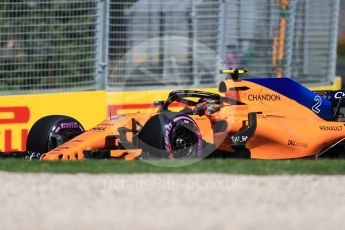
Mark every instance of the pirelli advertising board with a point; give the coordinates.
(18, 113)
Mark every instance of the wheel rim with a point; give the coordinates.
(183, 142)
(58, 138)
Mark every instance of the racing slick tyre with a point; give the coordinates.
(171, 135)
(51, 131)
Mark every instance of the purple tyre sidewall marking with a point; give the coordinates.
(68, 125)
(170, 127)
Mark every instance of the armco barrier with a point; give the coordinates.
(18, 113)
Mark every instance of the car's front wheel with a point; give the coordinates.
(51, 131)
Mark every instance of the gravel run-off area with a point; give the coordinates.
(170, 201)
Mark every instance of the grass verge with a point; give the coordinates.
(231, 166)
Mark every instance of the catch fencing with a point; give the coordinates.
(48, 45)
(73, 45)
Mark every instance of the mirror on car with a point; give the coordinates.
(158, 103)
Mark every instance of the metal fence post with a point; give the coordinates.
(102, 42)
(334, 39)
(222, 31)
(290, 34)
(306, 36)
(194, 46)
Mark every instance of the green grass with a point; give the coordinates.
(231, 166)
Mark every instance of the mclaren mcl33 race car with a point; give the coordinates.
(271, 118)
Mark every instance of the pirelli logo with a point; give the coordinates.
(12, 116)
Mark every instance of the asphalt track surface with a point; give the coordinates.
(170, 201)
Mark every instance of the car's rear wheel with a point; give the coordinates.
(51, 131)
(171, 135)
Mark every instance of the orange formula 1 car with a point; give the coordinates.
(273, 118)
